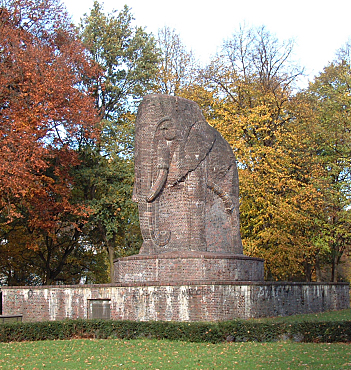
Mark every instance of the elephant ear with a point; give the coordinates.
(197, 145)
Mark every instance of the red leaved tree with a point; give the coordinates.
(46, 113)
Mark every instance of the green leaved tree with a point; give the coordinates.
(330, 96)
(128, 58)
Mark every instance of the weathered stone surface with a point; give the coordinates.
(186, 180)
(177, 302)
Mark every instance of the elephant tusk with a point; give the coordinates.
(158, 185)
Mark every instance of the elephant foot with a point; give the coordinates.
(147, 248)
(163, 238)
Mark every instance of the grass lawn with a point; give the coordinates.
(163, 354)
(341, 315)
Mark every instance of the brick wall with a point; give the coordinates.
(195, 302)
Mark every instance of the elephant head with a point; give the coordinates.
(192, 144)
(172, 138)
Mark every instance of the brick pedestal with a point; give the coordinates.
(188, 266)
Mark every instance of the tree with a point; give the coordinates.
(46, 112)
(178, 68)
(24, 265)
(254, 108)
(105, 184)
(127, 56)
(129, 60)
(330, 95)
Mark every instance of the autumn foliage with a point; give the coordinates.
(45, 114)
(67, 108)
(247, 92)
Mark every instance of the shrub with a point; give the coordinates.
(237, 330)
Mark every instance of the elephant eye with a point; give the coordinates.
(164, 127)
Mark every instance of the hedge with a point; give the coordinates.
(239, 331)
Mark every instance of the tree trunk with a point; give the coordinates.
(308, 272)
(318, 269)
(111, 257)
(334, 273)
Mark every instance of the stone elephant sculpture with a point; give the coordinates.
(186, 180)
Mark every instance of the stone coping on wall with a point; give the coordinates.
(170, 283)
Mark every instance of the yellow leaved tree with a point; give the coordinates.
(255, 109)
(247, 93)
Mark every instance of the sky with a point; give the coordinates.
(318, 27)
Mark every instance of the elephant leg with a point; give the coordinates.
(196, 194)
(233, 180)
(230, 198)
(228, 202)
(145, 219)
